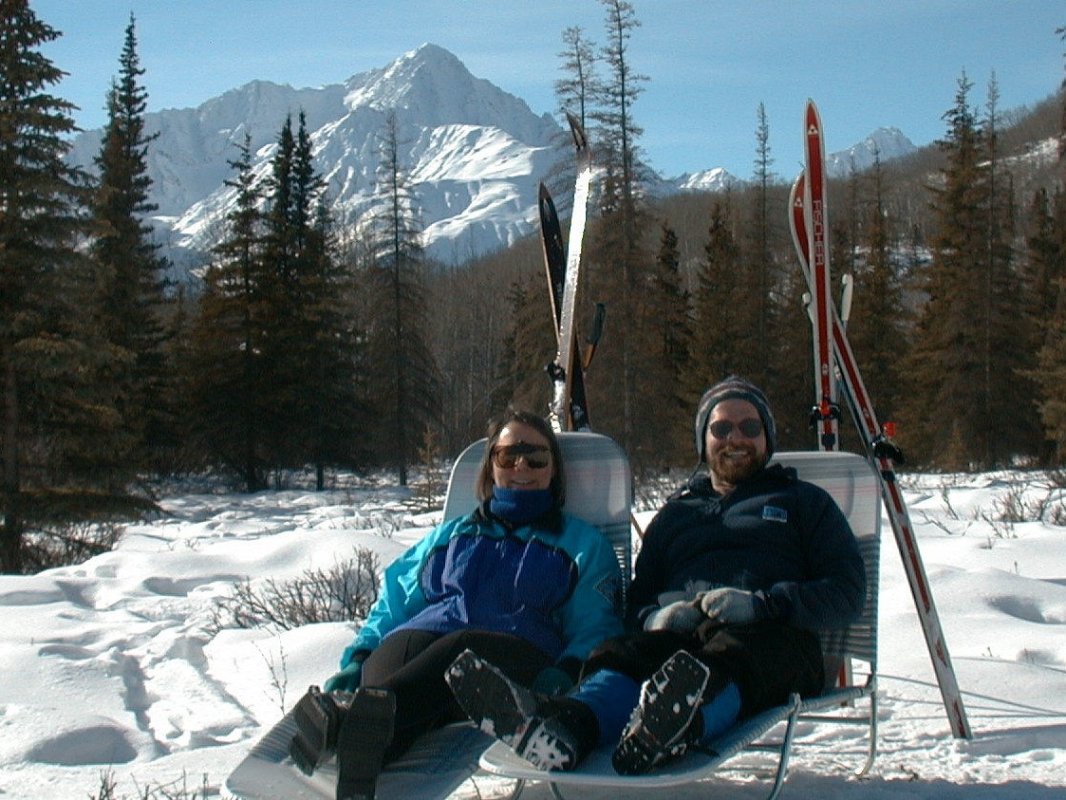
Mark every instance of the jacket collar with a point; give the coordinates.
(551, 521)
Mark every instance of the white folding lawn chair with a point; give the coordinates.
(851, 654)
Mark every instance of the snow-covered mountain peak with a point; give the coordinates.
(884, 144)
(708, 180)
(431, 86)
(474, 153)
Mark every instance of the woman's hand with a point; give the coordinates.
(347, 680)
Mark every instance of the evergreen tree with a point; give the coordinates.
(530, 343)
(760, 332)
(968, 343)
(1045, 281)
(619, 259)
(308, 343)
(129, 307)
(944, 371)
(1008, 358)
(226, 376)
(757, 354)
(580, 84)
(54, 422)
(716, 308)
(1052, 378)
(575, 92)
(404, 373)
(1062, 124)
(664, 364)
(877, 330)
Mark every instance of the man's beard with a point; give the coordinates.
(732, 470)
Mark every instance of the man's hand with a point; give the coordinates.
(731, 606)
(683, 616)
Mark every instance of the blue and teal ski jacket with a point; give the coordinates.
(554, 582)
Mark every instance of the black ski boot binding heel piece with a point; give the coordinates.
(318, 719)
(365, 735)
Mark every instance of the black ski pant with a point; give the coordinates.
(412, 664)
(767, 660)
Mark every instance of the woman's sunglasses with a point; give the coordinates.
(749, 428)
(506, 456)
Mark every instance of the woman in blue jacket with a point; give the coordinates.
(517, 581)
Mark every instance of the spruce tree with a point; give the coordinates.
(575, 93)
(529, 344)
(129, 307)
(968, 344)
(1045, 305)
(225, 375)
(403, 373)
(716, 298)
(576, 90)
(944, 370)
(663, 365)
(1008, 358)
(52, 417)
(760, 267)
(877, 329)
(280, 362)
(308, 341)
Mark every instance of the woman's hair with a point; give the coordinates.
(484, 484)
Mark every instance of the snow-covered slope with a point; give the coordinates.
(116, 666)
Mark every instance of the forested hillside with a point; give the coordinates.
(957, 254)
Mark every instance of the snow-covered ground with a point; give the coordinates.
(111, 666)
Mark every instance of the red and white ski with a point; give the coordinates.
(826, 413)
(882, 453)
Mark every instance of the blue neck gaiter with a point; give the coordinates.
(520, 505)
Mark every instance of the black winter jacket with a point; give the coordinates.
(775, 535)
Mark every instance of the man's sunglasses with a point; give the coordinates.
(536, 456)
(749, 428)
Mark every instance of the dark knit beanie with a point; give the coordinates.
(734, 388)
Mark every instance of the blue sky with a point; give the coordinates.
(867, 63)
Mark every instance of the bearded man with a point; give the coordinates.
(735, 575)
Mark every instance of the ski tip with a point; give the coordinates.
(549, 217)
(577, 131)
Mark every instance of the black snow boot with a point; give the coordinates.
(550, 732)
(365, 735)
(666, 722)
(318, 719)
